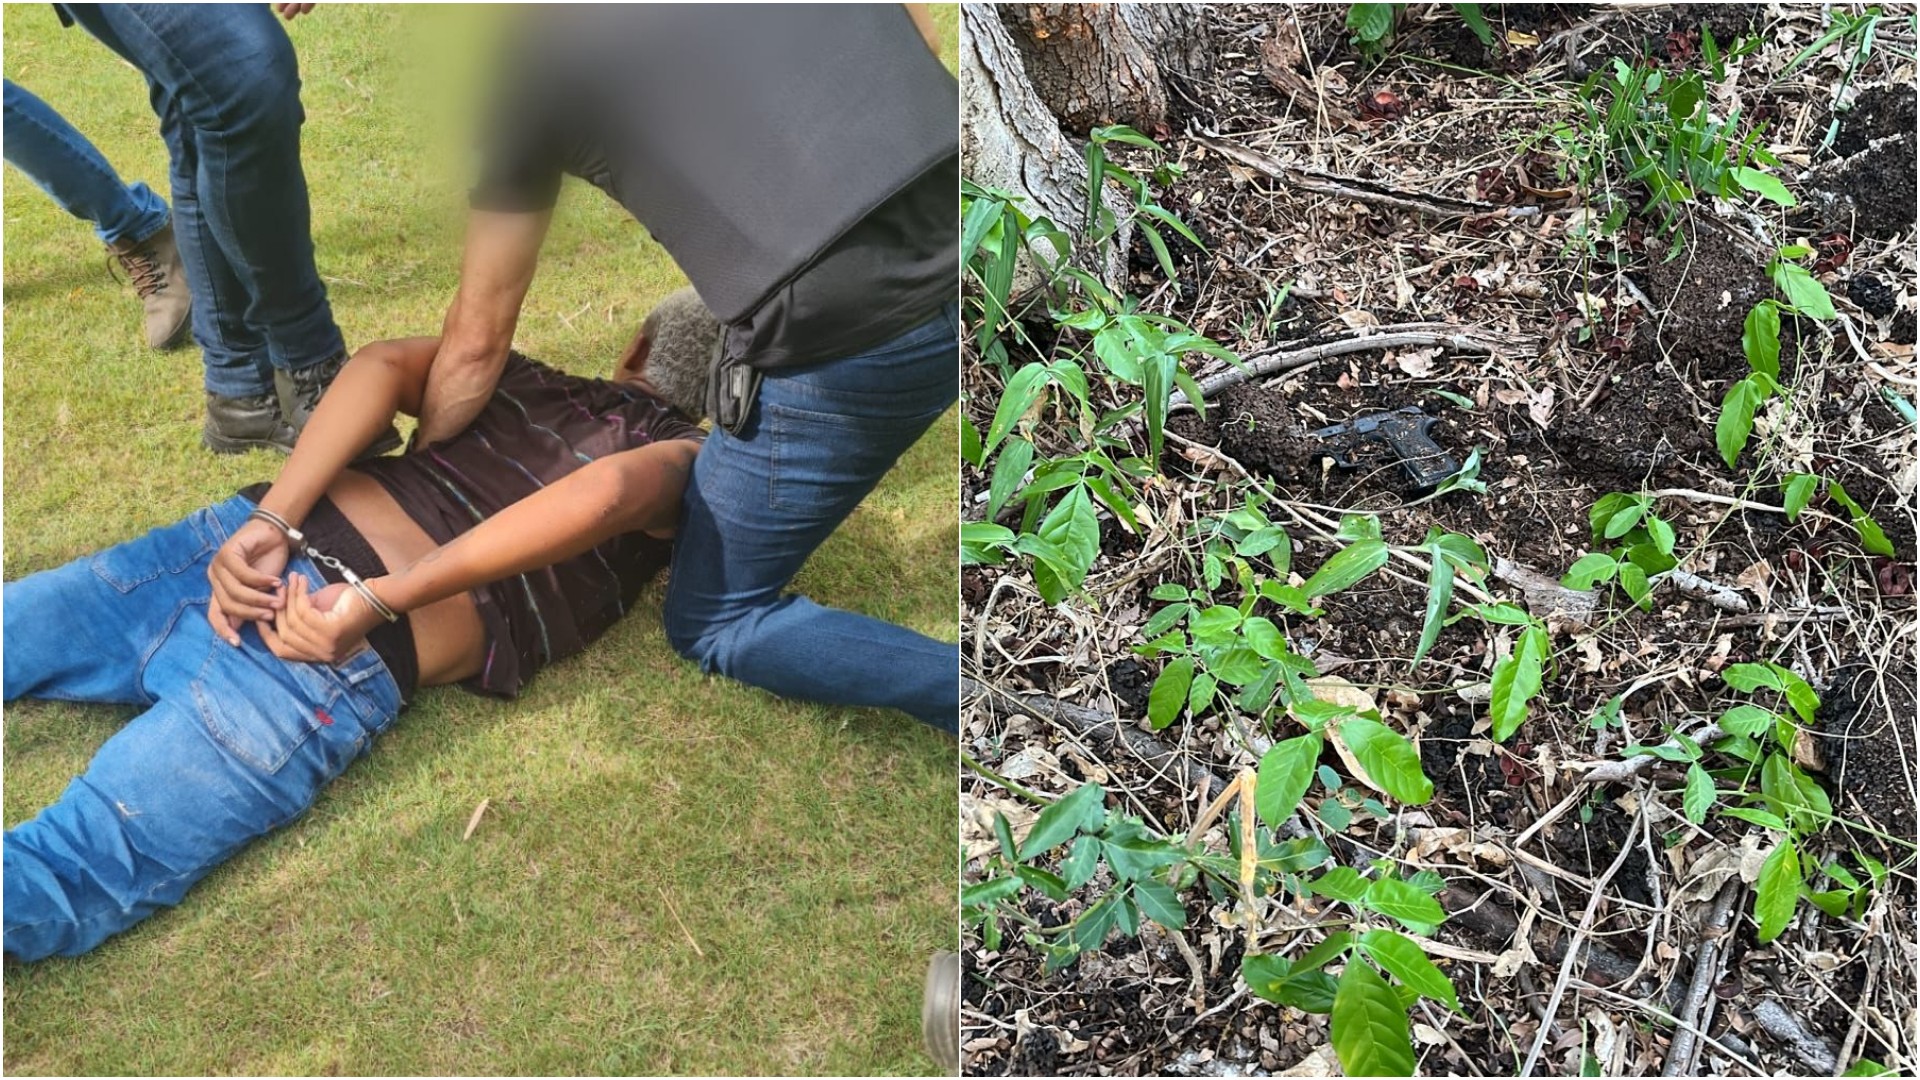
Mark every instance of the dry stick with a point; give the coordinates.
(1359, 190)
(1260, 365)
(1103, 730)
(1684, 1048)
(1573, 950)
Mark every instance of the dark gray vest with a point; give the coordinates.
(748, 138)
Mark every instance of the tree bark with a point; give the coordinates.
(1030, 74)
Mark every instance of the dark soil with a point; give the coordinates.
(1705, 293)
(1870, 193)
(1870, 753)
(1878, 112)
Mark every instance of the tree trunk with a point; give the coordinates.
(1031, 73)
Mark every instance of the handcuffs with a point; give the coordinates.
(299, 541)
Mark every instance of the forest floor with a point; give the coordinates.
(1579, 900)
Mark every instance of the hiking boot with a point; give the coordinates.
(940, 1012)
(160, 281)
(238, 424)
(300, 393)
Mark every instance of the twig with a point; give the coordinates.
(698, 951)
(1101, 729)
(1366, 191)
(1780, 1023)
(1573, 950)
(1720, 596)
(1685, 1047)
(1260, 365)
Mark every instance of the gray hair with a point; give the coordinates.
(682, 335)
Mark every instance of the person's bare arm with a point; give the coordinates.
(502, 252)
(635, 491)
(383, 378)
(923, 22)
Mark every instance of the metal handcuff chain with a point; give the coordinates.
(299, 541)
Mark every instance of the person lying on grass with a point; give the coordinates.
(240, 732)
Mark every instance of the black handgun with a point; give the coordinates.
(1404, 431)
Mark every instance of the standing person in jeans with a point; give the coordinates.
(800, 163)
(225, 84)
(131, 220)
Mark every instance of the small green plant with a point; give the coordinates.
(1760, 741)
(1656, 129)
(1760, 340)
(1150, 874)
(1856, 33)
(1145, 212)
(1642, 542)
(1518, 676)
(1799, 489)
(1137, 353)
(1372, 26)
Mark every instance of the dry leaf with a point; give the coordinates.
(1540, 407)
(1522, 39)
(1337, 691)
(1755, 579)
(474, 821)
(1321, 1062)
(1358, 319)
(1416, 362)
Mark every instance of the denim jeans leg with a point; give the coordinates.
(235, 743)
(230, 74)
(758, 505)
(84, 631)
(72, 171)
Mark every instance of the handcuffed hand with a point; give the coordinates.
(245, 575)
(322, 627)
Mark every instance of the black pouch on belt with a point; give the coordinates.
(732, 388)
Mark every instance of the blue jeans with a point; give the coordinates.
(72, 171)
(817, 442)
(234, 742)
(226, 87)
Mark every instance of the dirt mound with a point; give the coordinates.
(1870, 193)
(1705, 293)
(1878, 112)
(1869, 750)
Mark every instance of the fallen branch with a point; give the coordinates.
(1721, 596)
(1782, 1024)
(1261, 364)
(1685, 1047)
(1103, 730)
(1358, 190)
(1466, 909)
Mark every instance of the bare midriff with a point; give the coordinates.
(448, 638)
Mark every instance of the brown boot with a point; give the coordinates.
(300, 393)
(161, 283)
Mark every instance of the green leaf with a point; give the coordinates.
(1009, 470)
(1074, 530)
(1389, 758)
(1081, 861)
(1398, 900)
(1217, 625)
(1872, 537)
(1237, 666)
(1735, 424)
(1633, 579)
(1403, 958)
(1264, 638)
(1777, 890)
(987, 892)
(1604, 510)
(1169, 694)
(1799, 490)
(1476, 22)
(1761, 338)
(1286, 770)
(1358, 527)
(1749, 720)
(1160, 903)
(1083, 809)
(1342, 883)
(1764, 185)
(1757, 817)
(1165, 619)
(1803, 291)
(1370, 23)
(1590, 570)
(1662, 535)
(1022, 390)
(1699, 794)
(1201, 694)
(1347, 567)
(1171, 590)
(1370, 1032)
(1261, 542)
(1867, 1067)
(1627, 517)
(1276, 979)
(1516, 680)
(1439, 595)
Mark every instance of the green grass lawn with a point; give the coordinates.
(677, 873)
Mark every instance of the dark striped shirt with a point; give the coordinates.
(540, 425)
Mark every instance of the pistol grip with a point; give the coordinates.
(1425, 462)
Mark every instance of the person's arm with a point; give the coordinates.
(502, 252)
(635, 491)
(382, 379)
(923, 22)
